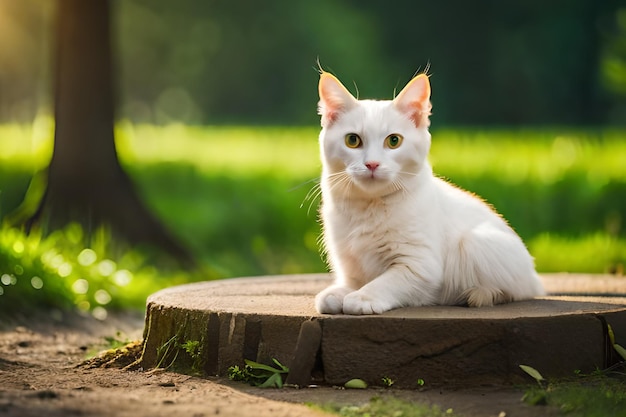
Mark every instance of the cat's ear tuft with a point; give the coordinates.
(334, 98)
(414, 100)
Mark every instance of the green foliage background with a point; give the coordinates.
(514, 62)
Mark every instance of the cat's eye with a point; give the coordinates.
(393, 141)
(353, 140)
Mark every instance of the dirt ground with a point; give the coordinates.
(39, 377)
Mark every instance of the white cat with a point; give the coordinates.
(395, 235)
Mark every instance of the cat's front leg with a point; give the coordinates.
(360, 302)
(330, 300)
(395, 288)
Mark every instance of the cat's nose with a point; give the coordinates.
(371, 165)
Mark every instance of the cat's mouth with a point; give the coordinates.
(372, 176)
(373, 183)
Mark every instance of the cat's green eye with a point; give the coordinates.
(393, 141)
(353, 140)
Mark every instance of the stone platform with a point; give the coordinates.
(274, 317)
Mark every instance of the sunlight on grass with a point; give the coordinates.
(520, 155)
(27, 145)
(67, 269)
(224, 150)
(515, 155)
(598, 252)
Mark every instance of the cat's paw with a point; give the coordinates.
(485, 297)
(359, 303)
(330, 300)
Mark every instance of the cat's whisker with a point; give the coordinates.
(315, 180)
(341, 183)
(315, 192)
(311, 193)
(321, 243)
(344, 182)
(339, 180)
(312, 196)
(339, 174)
(398, 185)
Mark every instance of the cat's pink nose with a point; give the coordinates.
(372, 165)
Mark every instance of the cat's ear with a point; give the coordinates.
(414, 100)
(334, 98)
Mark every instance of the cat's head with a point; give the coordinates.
(373, 148)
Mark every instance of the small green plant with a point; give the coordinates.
(355, 383)
(111, 343)
(619, 349)
(235, 373)
(595, 394)
(420, 382)
(589, 395)
(534, 373)
(169, 352)
(387, 382)
(192, 348)
(117, 341)
(536, 396)
(258, 374)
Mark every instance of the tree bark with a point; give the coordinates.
(85, 182)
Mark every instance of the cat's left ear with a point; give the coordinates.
(334, 98)
(414, 100)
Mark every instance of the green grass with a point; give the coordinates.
(224, 151)
(532, 155)
(589, 396)
(237, 196)
(562, 190)
(66, 270)
(599, 252)
(384, 407)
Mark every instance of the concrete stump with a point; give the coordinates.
(208, 327)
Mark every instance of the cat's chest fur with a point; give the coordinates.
(365, 237)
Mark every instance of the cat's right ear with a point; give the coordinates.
(334, 98)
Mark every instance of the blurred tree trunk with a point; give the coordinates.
(85, 182)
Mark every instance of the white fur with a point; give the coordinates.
(398, 236)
